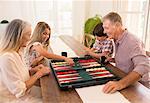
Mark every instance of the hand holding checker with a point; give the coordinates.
(68, 60)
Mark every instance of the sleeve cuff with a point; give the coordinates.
(20, 90)
(142, 69)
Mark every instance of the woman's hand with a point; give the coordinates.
(112, 86)
(37, 68)
(43, 70)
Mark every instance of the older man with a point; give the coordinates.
(130, 55)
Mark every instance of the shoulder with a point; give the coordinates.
(133, 40)
(8, 56)
(135, 45)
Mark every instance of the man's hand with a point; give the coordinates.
(112, 86)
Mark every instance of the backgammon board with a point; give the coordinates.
(86, 71)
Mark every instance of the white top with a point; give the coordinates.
(13, 74)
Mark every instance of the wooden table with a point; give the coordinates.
(136, 93)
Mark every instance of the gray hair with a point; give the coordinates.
(11, 41)
(113, 17)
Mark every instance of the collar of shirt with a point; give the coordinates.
(122, 37)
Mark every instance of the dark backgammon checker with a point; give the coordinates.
(85, 72)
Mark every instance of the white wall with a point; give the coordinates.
(16, 9)
(84, 9)
(101, 7)
(79, 15)
(7, 10)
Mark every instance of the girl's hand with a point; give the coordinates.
(70, 61)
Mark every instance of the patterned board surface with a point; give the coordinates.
(85, 72)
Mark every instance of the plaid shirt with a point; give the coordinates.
(103, 46)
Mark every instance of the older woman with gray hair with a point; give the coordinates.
(15, 82)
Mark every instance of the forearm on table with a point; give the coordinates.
(32, 72)
(54, 56)
(29, 83)
(131, 78)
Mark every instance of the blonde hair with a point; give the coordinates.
(11, 41)
(39, 29)
(113, 17)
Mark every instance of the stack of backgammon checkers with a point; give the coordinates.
(85, 72)
(99, 72)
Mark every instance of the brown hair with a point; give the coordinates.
(113, 17)
(36, 37)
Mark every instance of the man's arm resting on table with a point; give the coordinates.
(113, 86)
(131, 78)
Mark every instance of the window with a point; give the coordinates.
(57, 13)
(135, 17)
